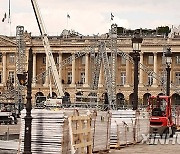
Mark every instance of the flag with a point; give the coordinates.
(68, 16)
(9, 18)
(112, 16)
(4, 17)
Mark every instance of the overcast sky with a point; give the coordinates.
(89, 17)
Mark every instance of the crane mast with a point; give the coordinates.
(47, 48)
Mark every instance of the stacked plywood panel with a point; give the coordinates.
(47, 131)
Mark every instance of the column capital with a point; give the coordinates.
(141, 53)
(4, 53)
(155, 53)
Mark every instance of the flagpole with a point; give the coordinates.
(9, 18)
(67, 22)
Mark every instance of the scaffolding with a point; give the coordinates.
(20, 66)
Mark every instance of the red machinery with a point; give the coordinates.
(161, 115)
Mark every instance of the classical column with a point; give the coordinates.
(4, 68)
(100, 76)
(127, 72)
(73, 70)
(141, 71)
(86, 70)
(34, 69)
(155, 70)
(60, 68)
(47, 76)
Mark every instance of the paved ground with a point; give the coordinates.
(148, 149)
(11, 129)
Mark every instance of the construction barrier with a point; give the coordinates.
(127, 127)
(101, 126)
(99, 129)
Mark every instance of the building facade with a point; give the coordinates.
(76, 75)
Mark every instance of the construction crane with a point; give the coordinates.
(48, 51)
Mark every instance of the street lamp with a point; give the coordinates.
(136, 45)
(28, 117)
(168, 56)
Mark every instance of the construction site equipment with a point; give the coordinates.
(68, 131)
(113, 42)
(47, 131)
(47, 48)
(127, 127)
(149, 72)
(109, 75)
(14, 93)
(20, 66)
(161, 121)
(8, 113)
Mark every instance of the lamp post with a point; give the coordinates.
(168, 56)
(136, 45)
(28, 117)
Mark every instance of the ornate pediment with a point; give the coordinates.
(5, 41)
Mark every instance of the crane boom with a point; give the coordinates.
(47, 48)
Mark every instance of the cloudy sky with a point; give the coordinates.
(89, 17)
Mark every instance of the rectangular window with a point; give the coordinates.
(163, 78)
(69, 78)
(0, 77)
(44, 60)
(177, 78)
(82, 77)
(150, 59)
(178, 59)
(123, 61)
(11, 58)
(150, 80)
(11, 76)
(163, 60)
(57, 60)
(0, 57)
(43, 77)
(123, 78)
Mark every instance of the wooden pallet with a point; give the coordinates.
(80, 134)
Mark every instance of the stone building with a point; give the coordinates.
(76, 76)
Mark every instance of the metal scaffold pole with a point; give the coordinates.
(20, 65)
(113, 36)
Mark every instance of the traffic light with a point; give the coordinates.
(22, 79)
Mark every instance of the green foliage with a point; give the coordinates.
(163, 30)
